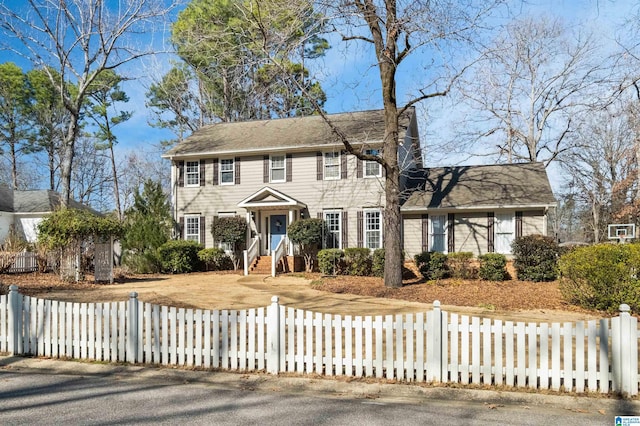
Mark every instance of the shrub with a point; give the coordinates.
(602, 276)
(460, 265)
(179, 256)
(377, 263)
(536, 258)
(432, 264)
(331, 261)
(142, 263)
(493, 267)
(358, 261)
(215, 259)
(308, 233)
(233, 231)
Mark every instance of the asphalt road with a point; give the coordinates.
(77, 394)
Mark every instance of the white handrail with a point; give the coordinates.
(251, 254)
(277, 255)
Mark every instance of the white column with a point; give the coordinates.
(289, 245)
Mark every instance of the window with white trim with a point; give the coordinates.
(192, 228)
(277, 168)
(227, 175)
(438, 233)
(372, 168)
(192, 173)
(372, 229)
(331, 165)
(504, 232)
(333, 219)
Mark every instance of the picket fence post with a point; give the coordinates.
(434, 345)
(625, 352)
(15, 321)
(132, 328)
(273, 336)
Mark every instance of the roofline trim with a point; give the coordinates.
(292, 148)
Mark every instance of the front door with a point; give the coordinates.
(278, 228)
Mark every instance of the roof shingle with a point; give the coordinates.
(503, 185)
(287, 133)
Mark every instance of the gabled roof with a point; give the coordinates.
(287, 133)
(35, 201)
(473, 187)
(269, 197)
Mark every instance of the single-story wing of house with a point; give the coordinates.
(478, 209)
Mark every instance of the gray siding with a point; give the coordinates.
(471, 233)
(412, 230)
(350, 194)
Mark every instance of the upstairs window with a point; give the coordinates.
(372, 168)
(192, 173)
(278, 168)
(227, 172)
(331, 165)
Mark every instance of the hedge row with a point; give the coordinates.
(179, 257)
(435, 266)
(351, 261)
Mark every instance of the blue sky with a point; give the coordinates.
(350, 79)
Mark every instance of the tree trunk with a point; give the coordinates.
(68, 151)
(116, 189)
(392, 230)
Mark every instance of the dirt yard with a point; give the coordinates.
(509, 300)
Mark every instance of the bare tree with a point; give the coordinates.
(78, 39)
(603, 168)
(431, 33)
(92, 179)
(533, 80)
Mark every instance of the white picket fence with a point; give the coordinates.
(596, 356)
(25, 261)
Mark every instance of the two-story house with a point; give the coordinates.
(275, 172)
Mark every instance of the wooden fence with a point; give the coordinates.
(596, 356)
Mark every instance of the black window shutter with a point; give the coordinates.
(202, 168)
(343, 165)
(181, 226)
(289, 171)
(360, 228)
(236, 164)
(451, 236)
(345, 230)
(180, 173)
(265, 169)
(358, 168)
(425, 232)
(202, 230)
(518, 224)
(216, 171)
(319, 215)
(319, 174)
(490, 230)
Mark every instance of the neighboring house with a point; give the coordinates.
(275, 172)
(24, 210)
